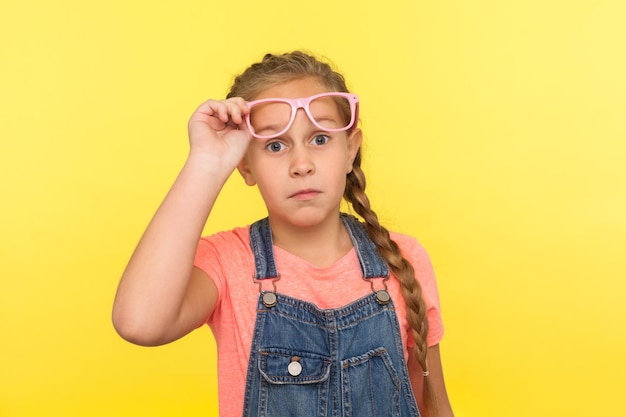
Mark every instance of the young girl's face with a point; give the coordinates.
(302, 173)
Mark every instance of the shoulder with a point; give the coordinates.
(225, 256)
(413, 251)
(238, 237)
(411, 248)
(223, 247)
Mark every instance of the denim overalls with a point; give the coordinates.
(343, 362)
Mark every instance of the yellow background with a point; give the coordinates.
(495, 133)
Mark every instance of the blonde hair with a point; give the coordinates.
(277, 69)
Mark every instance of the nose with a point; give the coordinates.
(301, 163)
(301, 159)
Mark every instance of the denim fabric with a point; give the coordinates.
(343, 362)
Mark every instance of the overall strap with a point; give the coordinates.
(263, 249)
(372, 264)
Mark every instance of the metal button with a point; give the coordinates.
(382, 297)
(294, 368)
(269, 299)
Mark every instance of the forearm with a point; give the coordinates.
(435, 368)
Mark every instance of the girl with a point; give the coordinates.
(314, 312)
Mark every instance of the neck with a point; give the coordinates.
(321, 245)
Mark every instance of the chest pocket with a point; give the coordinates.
(285, 376)
(282, 367)
(370, 385)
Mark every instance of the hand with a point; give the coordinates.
(217, 131)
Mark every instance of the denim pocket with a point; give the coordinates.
(370, 385)
(281, 383)
(274, 366)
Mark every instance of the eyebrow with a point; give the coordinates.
(272, 127)
(327, 119)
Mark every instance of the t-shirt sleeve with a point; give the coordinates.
(207, 259)
(221, 254)
(415, 253)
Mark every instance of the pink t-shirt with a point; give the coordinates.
(227, 258)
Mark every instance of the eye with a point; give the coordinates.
(275, 146)
(320, 140)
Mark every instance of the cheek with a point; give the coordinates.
(266, 183)
(346, 162)
(340, 177)
(269, 181)
(258, 164)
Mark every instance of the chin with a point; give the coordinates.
(306, 217)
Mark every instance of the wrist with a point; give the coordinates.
(208, 166)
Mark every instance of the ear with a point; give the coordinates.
(354, 144)
(245, 172)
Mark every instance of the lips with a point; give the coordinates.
(305, 194)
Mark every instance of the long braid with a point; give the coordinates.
(401, 268)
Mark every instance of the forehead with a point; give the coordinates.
(302, 87)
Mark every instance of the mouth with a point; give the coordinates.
(306, 194)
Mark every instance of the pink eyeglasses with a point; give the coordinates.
(271, 117)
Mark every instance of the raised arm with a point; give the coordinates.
(161, 296)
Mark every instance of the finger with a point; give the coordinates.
(208, 114)
(221, 113)
(209, 108)
(238, 109)
(217, 115)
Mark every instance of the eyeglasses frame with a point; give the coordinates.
(303, 103)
